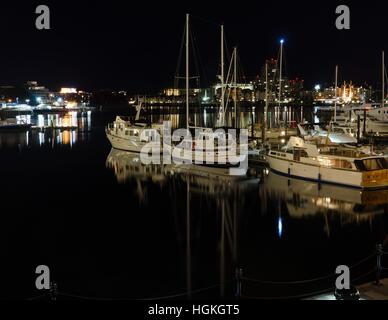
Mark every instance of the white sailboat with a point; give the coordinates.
(128, 136)
(210, 151)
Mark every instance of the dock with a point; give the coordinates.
(368, 291)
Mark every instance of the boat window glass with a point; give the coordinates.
(297, 154)
(304, 154)
(371, 164)
(341, 164)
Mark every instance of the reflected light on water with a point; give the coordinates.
(280, 227)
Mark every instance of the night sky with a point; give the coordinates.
(121, 45)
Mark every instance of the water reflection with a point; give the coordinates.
(305, 200)
(49, 130)
(198, 198)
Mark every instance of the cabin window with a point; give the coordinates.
(304, 154)
(341, 164)
(371, 164)
(297, 155)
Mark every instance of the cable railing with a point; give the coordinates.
(54, 294)
(239, 281)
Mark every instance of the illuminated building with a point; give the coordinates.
(347, 93)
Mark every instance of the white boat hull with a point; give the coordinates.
(132, 145)
(321, 174)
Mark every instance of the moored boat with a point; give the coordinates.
(335, 165)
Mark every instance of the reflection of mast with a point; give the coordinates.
(335, 89)
(188, 241)
(383, 82)
(187, 71)
(222, 252)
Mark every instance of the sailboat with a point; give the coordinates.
(134, 136)
(210, 151)
(375, 117)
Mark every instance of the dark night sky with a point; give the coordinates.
(117, 44)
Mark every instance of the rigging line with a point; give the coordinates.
(277, 72)
(206, 20)
(200, 61)
(195, 53)
(240, 67)
(228, 56)
(179, 58)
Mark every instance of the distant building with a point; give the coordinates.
(38, 94)
(292, 90)
(347, 93)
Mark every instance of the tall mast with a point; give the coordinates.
(383, 82)
(281, 69)
(264, 134)
(222, 75)
(187, 71)
(235, 85)
(335, 95)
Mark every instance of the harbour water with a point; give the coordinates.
(109, 227)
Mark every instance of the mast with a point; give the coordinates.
(187, 71)
(222, 75)
(280, 72)
(264, 133)
(335, 95)
(235, 85)
(383, 82)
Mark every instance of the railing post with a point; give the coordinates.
(239, 275)
(379, 249)
(53, 291)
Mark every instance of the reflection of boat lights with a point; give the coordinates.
(40, 121)
(41, 138)
(280, 227)
(73, 137)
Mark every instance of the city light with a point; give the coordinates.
(281, 41)
(317, 87)
(68, 90)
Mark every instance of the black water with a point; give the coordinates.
(109, 228)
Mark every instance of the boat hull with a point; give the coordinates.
(355, 179)
(132, 145)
